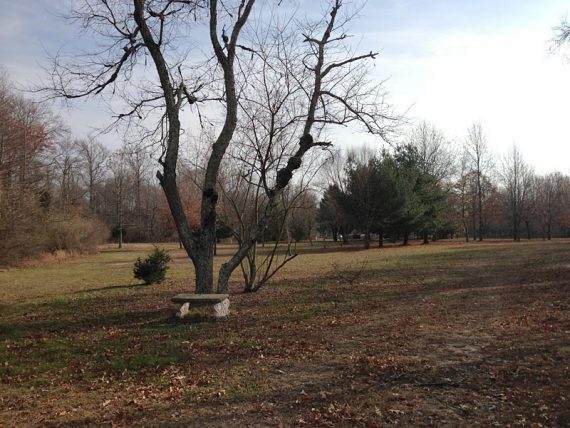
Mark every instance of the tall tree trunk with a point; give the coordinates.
(380, 238)
(480, 223)
(474, 225)
(528, 231)
(250, 275)
(480, 203)
(204, 266)
(367, 238)
(425, 237)
(120, 217)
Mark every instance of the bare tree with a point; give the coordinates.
(148, 28)
(517, 178)
(41, 196)
(66, 164)
(138, 162)
(561, 36)
(434, 151)
(23, 142)
(551, 194)
(93, 156)
(529, 213)
(335, 90)
(117, 164)
(477, 149)
(461, 193)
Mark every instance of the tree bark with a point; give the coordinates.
(549, 231)
(204, 267)
(480, 191)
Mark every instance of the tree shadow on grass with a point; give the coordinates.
(91, 312)
(113, 287)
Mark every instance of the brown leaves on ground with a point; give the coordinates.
(441, 335)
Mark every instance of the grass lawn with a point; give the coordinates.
(445, 334)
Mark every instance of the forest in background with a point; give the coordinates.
(60, 193)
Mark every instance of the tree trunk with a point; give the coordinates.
(528, 232)
(516, 229)
(480, 189)
(204, 266)
(425, 237)
(120, 218)
(406, 237)
(380, 238)
(474, 225)
(251, 277)
(367, 238)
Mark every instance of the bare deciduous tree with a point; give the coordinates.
(477, 149)
(461, 193)
(561, 36)
(92, 155)
(331, 80)
(517, 177)
(117, 164)
(436, 156)
(552, 190)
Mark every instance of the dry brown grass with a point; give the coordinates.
(447, 334)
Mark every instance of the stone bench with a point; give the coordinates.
(220, 304)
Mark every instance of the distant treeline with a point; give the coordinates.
(62, 193)
(428, 189)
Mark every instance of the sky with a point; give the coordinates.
(449, 62)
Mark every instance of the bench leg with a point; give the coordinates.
(182, 310)
(221, 309)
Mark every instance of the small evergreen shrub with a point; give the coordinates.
(152, 269)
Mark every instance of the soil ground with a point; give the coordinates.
(447, 334)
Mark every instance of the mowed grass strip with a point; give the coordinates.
(448, 333)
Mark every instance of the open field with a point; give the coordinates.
(445, 334)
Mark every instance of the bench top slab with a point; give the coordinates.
(199, 298)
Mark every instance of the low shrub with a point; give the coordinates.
(152, 269)
(31, 233)
(77, 234)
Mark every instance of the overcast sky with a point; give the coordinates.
(452, 62)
